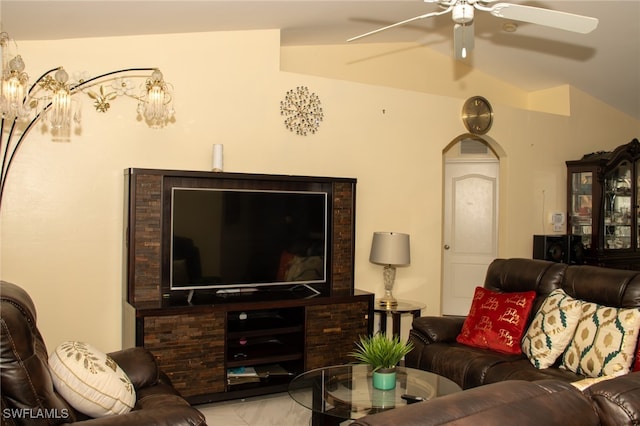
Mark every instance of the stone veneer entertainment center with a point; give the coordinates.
(195, 343)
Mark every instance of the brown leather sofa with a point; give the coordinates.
(614, 402)
(434, 338)
(28, 394)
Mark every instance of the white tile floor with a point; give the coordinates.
(269, 410)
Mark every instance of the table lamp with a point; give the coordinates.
(390, 249)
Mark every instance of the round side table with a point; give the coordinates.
(404, 307)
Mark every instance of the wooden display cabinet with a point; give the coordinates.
(603, 194)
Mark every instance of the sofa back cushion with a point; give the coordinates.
(604, 286)
(520, 275)
(28, 396)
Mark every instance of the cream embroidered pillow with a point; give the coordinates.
(551, 329)
(90, 380)
(604, 342)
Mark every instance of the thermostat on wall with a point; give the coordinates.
(557, 220)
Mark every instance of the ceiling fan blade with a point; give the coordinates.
(547, 17)
(463, 40)
(397, 24)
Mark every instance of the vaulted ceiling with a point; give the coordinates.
(604, 63)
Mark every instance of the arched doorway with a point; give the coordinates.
(469, 220)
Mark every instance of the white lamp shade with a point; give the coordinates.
(390, 248)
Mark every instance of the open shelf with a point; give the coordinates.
(267, 375)
(259, 338)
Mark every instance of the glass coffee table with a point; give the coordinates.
(344, 392)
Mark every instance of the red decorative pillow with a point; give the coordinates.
(497, 321)
(636, 361)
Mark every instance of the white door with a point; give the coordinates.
(470, 230)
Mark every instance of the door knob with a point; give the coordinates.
(446, 247)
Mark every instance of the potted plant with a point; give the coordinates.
(382, 354)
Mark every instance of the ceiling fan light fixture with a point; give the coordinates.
(463, 40)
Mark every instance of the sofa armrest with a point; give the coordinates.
(158, 405)
(437, 329)
(617, 401)
(160, 416)
(504, 403)
(139, 364)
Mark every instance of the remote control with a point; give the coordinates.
(411, 398)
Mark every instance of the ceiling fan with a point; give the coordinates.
(462, 12)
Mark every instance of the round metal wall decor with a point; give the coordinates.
(302, 111)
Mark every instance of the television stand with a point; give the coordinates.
(198, 344)
(192, 342)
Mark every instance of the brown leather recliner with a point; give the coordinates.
(28, 394)
(512, 402)
(614, 402)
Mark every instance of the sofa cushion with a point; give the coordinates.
(551, 329)
(463, 364)
(90, 380)
(604, 342)
(497, 320)
(522, 369)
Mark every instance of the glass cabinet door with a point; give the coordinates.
(617, 208)
(581, 206)
(635, 207)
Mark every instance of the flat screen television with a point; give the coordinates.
(242, 240)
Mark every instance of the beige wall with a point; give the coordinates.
(62, 213)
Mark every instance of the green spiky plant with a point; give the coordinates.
(381, 352)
